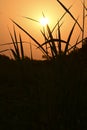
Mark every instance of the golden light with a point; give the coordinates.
(44, 21)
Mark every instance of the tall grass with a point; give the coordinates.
(84, 16)
(52, 46)
(18, 51)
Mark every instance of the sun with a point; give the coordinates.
(44, 21)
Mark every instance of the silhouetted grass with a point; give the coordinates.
(52, 47)
(43, 94)
(18, 53)
(49, 94)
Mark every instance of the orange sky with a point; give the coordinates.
(33, 9)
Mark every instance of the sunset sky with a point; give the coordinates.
(33, 9)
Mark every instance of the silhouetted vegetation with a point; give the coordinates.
(44, 94)
(49, 94)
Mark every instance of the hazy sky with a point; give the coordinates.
(15, 9)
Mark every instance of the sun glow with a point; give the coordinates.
(44, 21)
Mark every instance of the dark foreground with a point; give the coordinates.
(36, 95)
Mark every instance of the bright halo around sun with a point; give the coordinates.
(44, 21)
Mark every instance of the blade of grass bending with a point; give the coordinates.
(21, 47)
(4, 50)
(69, 38)
(69, 13)
(37, 43)
(9, 43)
(55, 40)
(60, 19)
(4, 44)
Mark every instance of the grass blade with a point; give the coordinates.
(60, 19)
(31, 52)
(15, 54)
(74, 48)
(21, 47)
(53, 47)
(75, 45)
(59, 37)
(37, 43)
(69, 37)
(44, 35)
(13, 42)
(55, 40)
(69, 13)
(83, 22)
(16, 42)
(4, 50)
(32, 19)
